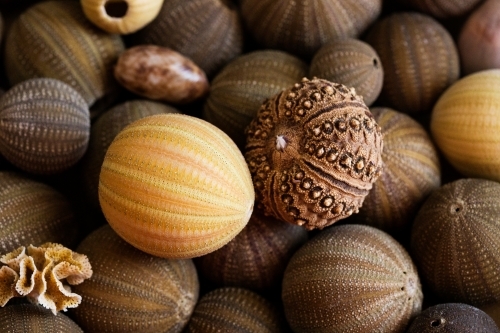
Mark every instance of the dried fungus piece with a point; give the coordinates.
(314, 151)
(43, 274)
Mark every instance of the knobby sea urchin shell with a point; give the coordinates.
(314, 151)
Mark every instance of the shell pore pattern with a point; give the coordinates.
(314, 152)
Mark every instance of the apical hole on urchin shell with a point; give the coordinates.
(375, 63)
(436, 322)
(116, 8)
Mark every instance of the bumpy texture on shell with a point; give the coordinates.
(453, 318)
(256, 258)
(33, 213)
(239, 89)
(455, 241)
(465, 124)
(443, 8)
(492, 310)
(234, 310)
(175, 186)
(44, 126)
(131, 291)
(301, 27)
(411, 172)
(22, 318)
(55, 39)
(42, 274)
(419, 57)
(208, 32)
(353, 63)
(314, 151)
(351, 278)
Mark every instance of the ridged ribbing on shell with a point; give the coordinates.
(175, 186)
(256, 258)
(237, 92)
(22, 318)
(353, 63)
(443, 8)
(234, 310)
(104, 130)
(411, 172)
(301, 27)
(208, 32)
(44, 126)
(33, 213)
(131, 291)
(55, 39)
(455, 241)
(419, 57)
(351, 278)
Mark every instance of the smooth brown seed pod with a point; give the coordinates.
(44, 126)
(302, 27)
(131, 291)
(351, 62)
(451, 318)
(212, 38)
(351, 278)
(443, 8)
(314, 151)
(239, 89)
(256, 258)
(22, 318)
(74, 50)
(455, 240)
(33, 213)
(411, 172)
(419, 57)
(234, 310)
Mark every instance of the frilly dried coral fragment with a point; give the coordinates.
(39, 274)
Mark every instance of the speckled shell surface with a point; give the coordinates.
(44, 126)
(209, 32)
(455, 241)
(443, 8)
(452, 318)
(74, 51)
(175, 186)
(33, 213)
(256, 258)
(22, 318)
(411, 172)
(131, 291)
(352, 63)
(234, 310)
(351, 278)
(465, 125)
(239, 89)
(301, 27)
(419, 57)
(314, 151)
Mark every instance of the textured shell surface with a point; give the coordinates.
(351, 278)
(455, 241)
(22, 318)
(209, 32)
(451, 318)
(121, 16)
(175, 186)
(443, 8)
(465, 124)
(314, 151)
(352, 63)
(44, 126)
(256, 258)
(411, 172)
(235, 310)
(492, 310)
(131, 291)
(55, 39)
(301, 27)
(33, 213)
(419, 57)
(102, 133)
(239, 89)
